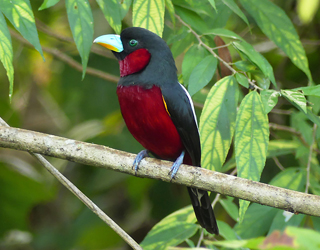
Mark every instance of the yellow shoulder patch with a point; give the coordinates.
(165, 105)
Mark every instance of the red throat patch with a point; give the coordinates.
(134, 62)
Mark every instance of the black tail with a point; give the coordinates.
(203, 210)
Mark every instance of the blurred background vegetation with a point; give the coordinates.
(49, 96)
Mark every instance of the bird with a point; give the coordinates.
(157, 109)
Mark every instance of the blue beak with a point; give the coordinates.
(111, 42)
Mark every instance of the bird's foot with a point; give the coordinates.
(142, 154)
(175, 167)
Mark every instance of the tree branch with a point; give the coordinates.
(68, 60)
(101, 156)
(81, 196)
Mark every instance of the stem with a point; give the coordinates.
(310, 157)
(201, 43)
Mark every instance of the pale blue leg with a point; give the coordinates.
(142, 154)
(176, 165)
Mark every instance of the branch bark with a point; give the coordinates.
(101, 156)
(81, 196)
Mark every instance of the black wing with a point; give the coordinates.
(180, 108)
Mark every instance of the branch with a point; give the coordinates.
(293, 131)
(101, 156)
(201, 43)
(68, 60)
(81, 196)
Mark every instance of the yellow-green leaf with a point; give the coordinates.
(234, 7)
(251, 141)
(19, 13)
(6, 53)
(112, 12)
(296, 98)
(275, 23)
(269, 99)
(81, 24)
(172, 230)
(149, 14)
(47, 4)
(217, 122)
(311, 90)
(307, 9)
(255, 57)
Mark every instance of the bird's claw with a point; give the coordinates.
(175, 166)
(142, 154)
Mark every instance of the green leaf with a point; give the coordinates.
(224, 33)
(281, 221)
(245, 66)
(311, 90)
(274, 22)
(192, 18)
(253, 243)
(170, 8)
(47, 4)
(202, 74)
(257, 221)
(290, 178)
(149, 14)
(112, 12)
(243, 80)
(256, 58)
(125, 6)
(226, 231)
(296, 98)
(6, 53)
(172, 230)
(217, 122)
(234, 7)
(20, 14)
(282, 147)
(269, 99)
(261, 80)
(230, 208)
(191, 59)
(251, 140)
(213, 4)
(81, 24)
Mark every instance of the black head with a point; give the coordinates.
(160, 67)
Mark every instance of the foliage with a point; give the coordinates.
(266, 100)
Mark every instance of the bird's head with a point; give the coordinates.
(136, 49)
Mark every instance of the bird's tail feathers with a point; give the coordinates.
(203, 210)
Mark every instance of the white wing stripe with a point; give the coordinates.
(191, 103)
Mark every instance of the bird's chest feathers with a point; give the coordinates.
(134, 62)
(146, 116)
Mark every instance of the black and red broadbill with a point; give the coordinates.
(157, 109)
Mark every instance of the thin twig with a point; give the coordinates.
(281, 111)
(201, 43)
(81, 196)
(68, 60)
(293, 131)
(310, 157)
(278, 163)
(47, 30)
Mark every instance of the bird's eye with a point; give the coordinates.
(133, 42)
